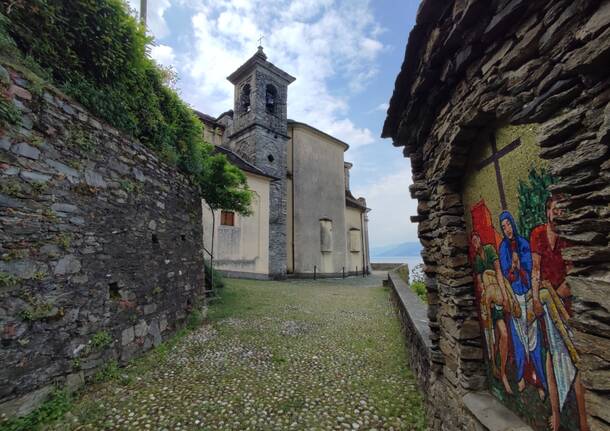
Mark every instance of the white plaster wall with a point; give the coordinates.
(319, 193)
(243, 247)
(353, 220)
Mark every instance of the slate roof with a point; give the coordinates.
(241, 163)
(261, 59)
(204, 117)
(351, 201)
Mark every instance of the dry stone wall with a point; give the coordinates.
(472, 67)
(100, 246)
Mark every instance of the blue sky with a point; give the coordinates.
(345, 55)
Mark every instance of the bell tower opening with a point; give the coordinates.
(244, 99)
(270, 98)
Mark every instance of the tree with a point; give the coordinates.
(532, 199)
(223, 185)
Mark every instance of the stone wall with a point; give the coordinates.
(472, 66)
(413, 315)
(100, 244)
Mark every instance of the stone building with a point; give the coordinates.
(503, 108)
(305, 219)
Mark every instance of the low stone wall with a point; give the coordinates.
(100, 244)
(475, 410)
(385, 266)
(412, 313)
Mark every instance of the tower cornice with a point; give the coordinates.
(259, 59)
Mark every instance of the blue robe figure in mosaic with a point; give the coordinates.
(516, 263)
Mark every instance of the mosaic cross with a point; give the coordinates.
(495, 159)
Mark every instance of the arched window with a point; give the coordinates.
(245, 98)
(270, 98)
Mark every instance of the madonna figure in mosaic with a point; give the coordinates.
(516, 264)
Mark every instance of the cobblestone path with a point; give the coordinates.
(302, 355)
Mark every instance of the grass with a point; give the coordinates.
(55, 408)
(272, 354)
(100, 340)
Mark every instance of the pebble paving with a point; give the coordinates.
(296, 355)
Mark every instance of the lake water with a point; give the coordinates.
(411, 260)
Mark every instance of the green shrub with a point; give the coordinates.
(96, 52)
(419, 288)
(194, 320)
(100, 340)
(8, 280)
(108, 372)
(53, 409)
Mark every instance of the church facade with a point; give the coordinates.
(305, 221)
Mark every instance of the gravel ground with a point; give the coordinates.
(297, 355)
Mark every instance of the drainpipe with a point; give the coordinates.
(362, 241)
(292, 156)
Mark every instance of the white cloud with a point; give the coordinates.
(330, 46)
(392, 206)
(155, 19)
(382, 107)
(163, 54)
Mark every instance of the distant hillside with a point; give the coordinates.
(404, 249)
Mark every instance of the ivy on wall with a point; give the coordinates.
(96, 52)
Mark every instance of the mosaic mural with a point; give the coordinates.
(523, 299)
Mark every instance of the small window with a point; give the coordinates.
(245, 98)
(227, 218)
(355, 240)
(270, 99)
(326, 235)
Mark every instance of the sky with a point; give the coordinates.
(345, 55)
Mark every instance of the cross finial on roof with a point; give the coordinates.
(260, 41)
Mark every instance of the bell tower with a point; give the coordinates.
(260, 128)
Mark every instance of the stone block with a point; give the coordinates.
(141, 328)
(94, 179)
(24, 269)
(127, 335)
(34, 177)
(62, 168)
(155, 331)
(26, 404)
(75, 381)
(64, 208)
(150, 308)
(491, 414)
(25, 150)
(597, 22)
(68, 264)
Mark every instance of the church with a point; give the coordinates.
(305, 222)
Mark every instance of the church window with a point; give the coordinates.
(354, 240)
(227, 218)
(270, 98)
(326, 235)
(245, 98)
